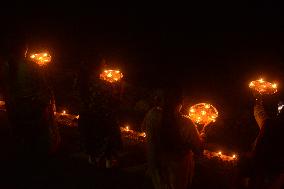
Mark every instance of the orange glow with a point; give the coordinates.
(63, 112)
(133, 136)
(203, 113)
(263, 87)
(2, 103)
(212, 154)
(111, 75)
(42, 59)
(143, 134)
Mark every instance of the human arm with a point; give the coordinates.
(191, 136)
(259, 113)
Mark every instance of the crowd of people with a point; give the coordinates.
(173, 141)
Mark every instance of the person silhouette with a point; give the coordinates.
(172, 140)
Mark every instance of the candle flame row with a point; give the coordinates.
(128, 130)
(234, 156)
(220, 155)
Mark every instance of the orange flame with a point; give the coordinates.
(111, 75)
(263, 87)
(203, 113)
(42, 59)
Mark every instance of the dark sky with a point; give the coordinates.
(213, 51)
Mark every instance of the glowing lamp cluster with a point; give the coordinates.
(2, 103)
(263, 87)
(111, 75)
(203, 113)
(42, 59)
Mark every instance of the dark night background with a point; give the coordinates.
(213, 50)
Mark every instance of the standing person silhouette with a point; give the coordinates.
(268, 154)
(172, 140)
(28, 103)
(98, 116)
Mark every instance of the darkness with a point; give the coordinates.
(212, 51)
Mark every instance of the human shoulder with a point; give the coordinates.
(186, 120)
(155, 110)
(154, 113)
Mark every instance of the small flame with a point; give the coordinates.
(234, 156)
(78, 116)
(202, 113)
(33, 56)
(261, 80)
(109, 75)
(63, 112)
(220, 153)
(274, 85)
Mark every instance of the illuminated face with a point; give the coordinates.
(111, 75)
(42, 59)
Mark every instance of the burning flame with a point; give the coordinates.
(263, 87)
(143, 134)
(210, 154)
(111, 75)
(42, 59)
(203, 113)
